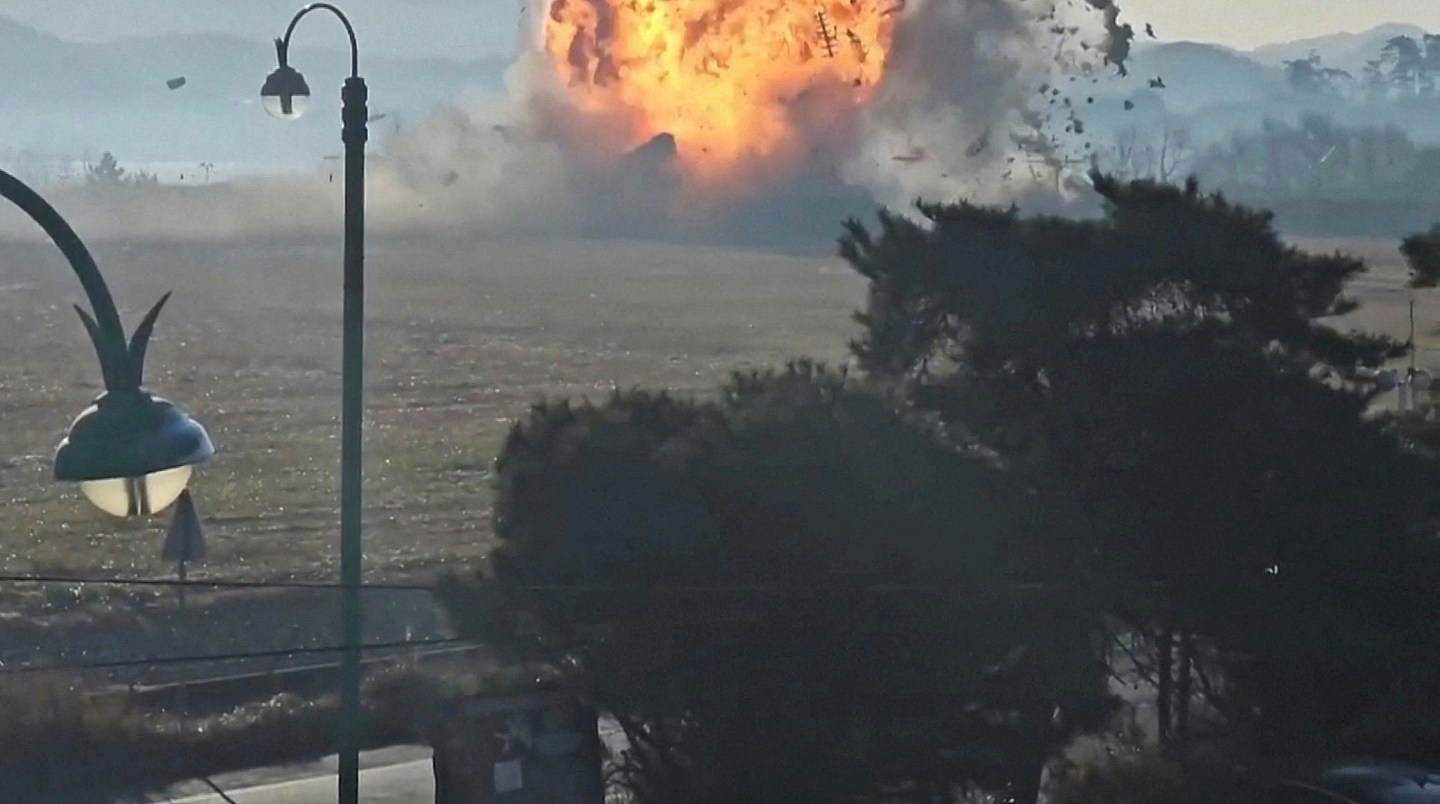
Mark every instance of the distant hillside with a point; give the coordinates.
(1348, 51)
(76, 97)
(1200, 74)
(1195, 75)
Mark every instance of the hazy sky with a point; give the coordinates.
(454, 28)
(460, 28)
(1247, 23)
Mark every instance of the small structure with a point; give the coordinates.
(530, 748)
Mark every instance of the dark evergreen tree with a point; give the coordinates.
(792, 594)
(1167, 368)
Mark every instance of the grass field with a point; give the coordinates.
(462, 337)
(1384, 297)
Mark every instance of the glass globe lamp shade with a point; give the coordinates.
(132, 452)
(285, 94)
(125, 497)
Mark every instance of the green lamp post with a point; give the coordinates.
(285, 95)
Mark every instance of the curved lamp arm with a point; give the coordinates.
(282, 46)
(121, 366)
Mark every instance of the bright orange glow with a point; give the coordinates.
(740, 84)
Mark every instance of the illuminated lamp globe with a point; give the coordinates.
(132, 453)
(285, 94)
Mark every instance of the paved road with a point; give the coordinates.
(398, 775)
(393, 776)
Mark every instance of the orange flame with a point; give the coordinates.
(738, 83)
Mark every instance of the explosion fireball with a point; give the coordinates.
(737, 83)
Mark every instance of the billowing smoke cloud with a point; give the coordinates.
(957, 113)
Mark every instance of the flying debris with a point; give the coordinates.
(1157, 83)
(856, 43)
(1118, 36)
(978, 146)
(1129, 104)
(912, 156)
(176, 82)
(826, 31)
(375, 118)
(1150, 30)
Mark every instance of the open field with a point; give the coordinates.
(462, 337)
(1383, 296)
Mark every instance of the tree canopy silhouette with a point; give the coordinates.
(817, 598)
(821, 587)
(1170, 369)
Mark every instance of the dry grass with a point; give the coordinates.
(1383, 295)
(461, 338)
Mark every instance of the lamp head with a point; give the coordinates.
(132, 452)
(285, 94)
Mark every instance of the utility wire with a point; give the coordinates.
(215, 584)
(219, 657)
(579, 588)
(773, 588)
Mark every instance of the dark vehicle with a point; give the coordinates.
(1362, 782)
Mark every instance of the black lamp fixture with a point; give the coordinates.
(285, 95)
(131, 452)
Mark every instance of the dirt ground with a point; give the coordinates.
(462, 337)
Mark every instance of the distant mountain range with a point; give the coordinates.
(69, 97)
(1200, 74)
(1348, 51)
(1227, 86)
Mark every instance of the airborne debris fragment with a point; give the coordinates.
(826, 31)
(911, 156)
(979, 145)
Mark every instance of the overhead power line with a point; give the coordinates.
(115, 664)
